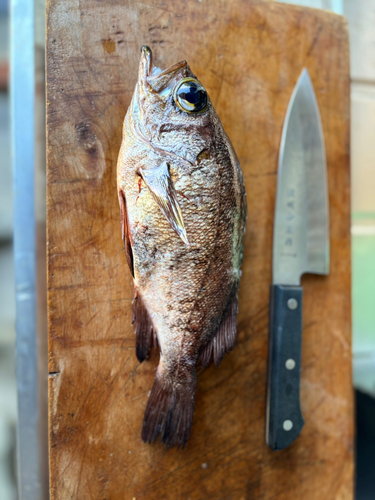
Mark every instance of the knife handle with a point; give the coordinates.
(284, 419)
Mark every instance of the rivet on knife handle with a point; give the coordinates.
(284, 417)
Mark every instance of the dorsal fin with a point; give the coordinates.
(125, 231)
(160, 184)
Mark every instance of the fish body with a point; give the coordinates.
(183, 210)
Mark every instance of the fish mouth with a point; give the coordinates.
(146, 61)
(148, 66)
(168, 71)
(155, 77)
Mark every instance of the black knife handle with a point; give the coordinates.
(284, 419)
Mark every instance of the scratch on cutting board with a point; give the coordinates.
(56, 380)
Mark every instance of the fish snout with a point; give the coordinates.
(145, 69)
(145, 65)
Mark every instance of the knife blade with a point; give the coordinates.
(300, 245)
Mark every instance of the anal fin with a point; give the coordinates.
(144, 330)
(224, 339)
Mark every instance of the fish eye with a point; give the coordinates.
(190, 96)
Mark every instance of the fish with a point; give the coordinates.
(183, 211)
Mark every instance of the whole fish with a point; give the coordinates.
(183, 209)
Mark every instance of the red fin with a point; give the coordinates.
(125, 231)
(144, 331)
(170, 410)
(224, 339)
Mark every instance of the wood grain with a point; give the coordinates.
(249, 55)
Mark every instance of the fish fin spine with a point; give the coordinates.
(224, 339)
(169, 410)
(144, 330)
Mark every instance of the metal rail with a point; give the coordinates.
(30, 445)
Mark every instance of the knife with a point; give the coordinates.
(300, 245)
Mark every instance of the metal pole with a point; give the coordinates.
(30, 484)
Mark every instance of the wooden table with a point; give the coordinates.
(248, 54)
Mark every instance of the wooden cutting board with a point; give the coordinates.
(248, 54)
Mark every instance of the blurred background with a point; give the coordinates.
(361, 20)
(8, 393)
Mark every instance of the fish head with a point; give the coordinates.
(171, 109)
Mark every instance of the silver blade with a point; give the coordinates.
(301, 231)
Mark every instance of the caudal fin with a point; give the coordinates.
(169, 410)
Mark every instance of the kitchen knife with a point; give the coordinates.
(300, 245)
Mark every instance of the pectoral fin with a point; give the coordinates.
(159, 182)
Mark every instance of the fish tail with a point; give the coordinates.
(170, 409)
